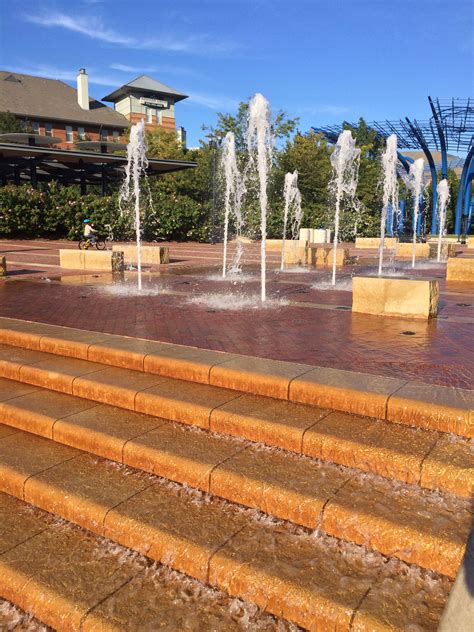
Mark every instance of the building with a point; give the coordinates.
(51, 107)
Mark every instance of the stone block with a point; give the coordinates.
(323, 256)
(391, 296)
(92, 260)
(98, 260)
(296, 253)
(406, 250)
(460, 269)
(374, 242)
(151, 255)
(274, 245)
(3, 266)
(72, 259)
(447, 250)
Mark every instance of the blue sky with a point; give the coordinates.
(320, 60)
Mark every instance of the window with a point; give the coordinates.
(35, 126)
(48, 129)
(104, 134)
(149, 115)
(81, 133)
(69, 137)
(116, 136)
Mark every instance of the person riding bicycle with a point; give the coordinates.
(89, 231)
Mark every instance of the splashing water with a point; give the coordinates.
(443, 199)
(260, 145)
(390, 189)
(292, 197)
(234, 191)
(136, 167)
(345, 164)
(416, 185)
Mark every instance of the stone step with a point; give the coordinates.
(409, 454)
(65, 579)
(399, 520)
(409, 402)
(71, 579)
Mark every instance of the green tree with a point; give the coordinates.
(9, 123)
(282, 126)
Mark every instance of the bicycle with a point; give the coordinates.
(85, 244)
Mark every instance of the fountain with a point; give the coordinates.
(292, 197)
(390, 189)
(137, 164)
(260, 145)
(233, 200)
(416, 185)
(345, 164)
(443, 199)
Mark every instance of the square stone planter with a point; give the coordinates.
(406, 250)
(460, 269)
(151, 255)
(374, 242)
(395, 296)
(92, 260)
(322, 256)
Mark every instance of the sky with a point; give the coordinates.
(323, 61)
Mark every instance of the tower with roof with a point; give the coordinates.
(148, 99)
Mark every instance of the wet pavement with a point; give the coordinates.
(187, 303)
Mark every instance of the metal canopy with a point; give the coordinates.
(27, 138)
(449, 129)
(103, 146)
(20, 164)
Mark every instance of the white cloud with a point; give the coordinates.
(94, 28)
(162, 68)
(91, 27)
(213, 101)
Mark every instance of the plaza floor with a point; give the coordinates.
(186, 303)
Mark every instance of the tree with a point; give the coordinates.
(282, 126)
(9, 123)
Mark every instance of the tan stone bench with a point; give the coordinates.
(406, 250)
(3, 266)
(391, 296)
(323, 256)
(460, 269)
(151, 255)
(92, 260)
(374, 242)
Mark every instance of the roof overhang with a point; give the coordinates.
(71, 166)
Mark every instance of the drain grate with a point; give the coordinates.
(463, 304)
(408, 333)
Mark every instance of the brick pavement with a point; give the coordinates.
(315, 326)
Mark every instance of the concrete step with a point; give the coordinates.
(401, 520)
(63, 577)
(408, 402)
(410, 454)
(72, 580)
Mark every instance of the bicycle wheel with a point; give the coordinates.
(100, 244)
(84, 244)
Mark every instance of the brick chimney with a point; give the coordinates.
(83, 89)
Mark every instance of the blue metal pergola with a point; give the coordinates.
(449, 129)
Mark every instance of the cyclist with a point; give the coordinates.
(89, 231)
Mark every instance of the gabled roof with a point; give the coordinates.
(144, 85)
(51, 99)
